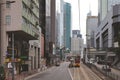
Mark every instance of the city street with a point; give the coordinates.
(59, 39)
(62, 72)
(55, 73)
(83, 73)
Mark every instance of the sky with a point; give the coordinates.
(85, 7)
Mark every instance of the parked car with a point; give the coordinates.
(2, 73)
(106, 68)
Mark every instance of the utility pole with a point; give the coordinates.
(0, 34)
(13, 59)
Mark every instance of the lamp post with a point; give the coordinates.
(1, 34)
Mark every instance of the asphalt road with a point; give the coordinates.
(83, 73)
(55, 73)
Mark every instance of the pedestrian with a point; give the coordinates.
(10, 68)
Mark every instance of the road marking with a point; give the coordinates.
(91, 74)
(83, 71)
(70, 74)
(77, 74)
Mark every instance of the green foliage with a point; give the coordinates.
(2, 73)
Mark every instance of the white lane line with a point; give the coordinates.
(70, 74)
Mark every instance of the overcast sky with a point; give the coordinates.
(85, 7)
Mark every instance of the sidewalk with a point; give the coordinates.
(26, 75)
(21, 76)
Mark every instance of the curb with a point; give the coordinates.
(28, 77)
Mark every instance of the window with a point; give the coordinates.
(8, 5)
(8, 19)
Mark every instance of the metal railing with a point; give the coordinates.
(111, 75)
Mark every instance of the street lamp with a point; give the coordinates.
(7, 2)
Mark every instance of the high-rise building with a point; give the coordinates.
(107, 31)
(77, 43)
(112, 3)
(48, 30)
(67, 25)
(19, 25)
(102, 9)
(42, 21)
(106, 10)
(104, 6)
(59, 23)
(52, 29)
(91, 26)
(75, 33)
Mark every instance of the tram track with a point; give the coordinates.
(84, 73)
(91, 75)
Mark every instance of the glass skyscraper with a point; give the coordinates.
(67, 25)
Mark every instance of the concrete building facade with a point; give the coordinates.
(91, 26)
(75, 33)
(77, 43)
(105, 32)
(108, 30)
(104, 6)
(20, 24)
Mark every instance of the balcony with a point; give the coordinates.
(25, 31)
(32, 6)
(24, 25)
(34, 32)
(28, 17)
